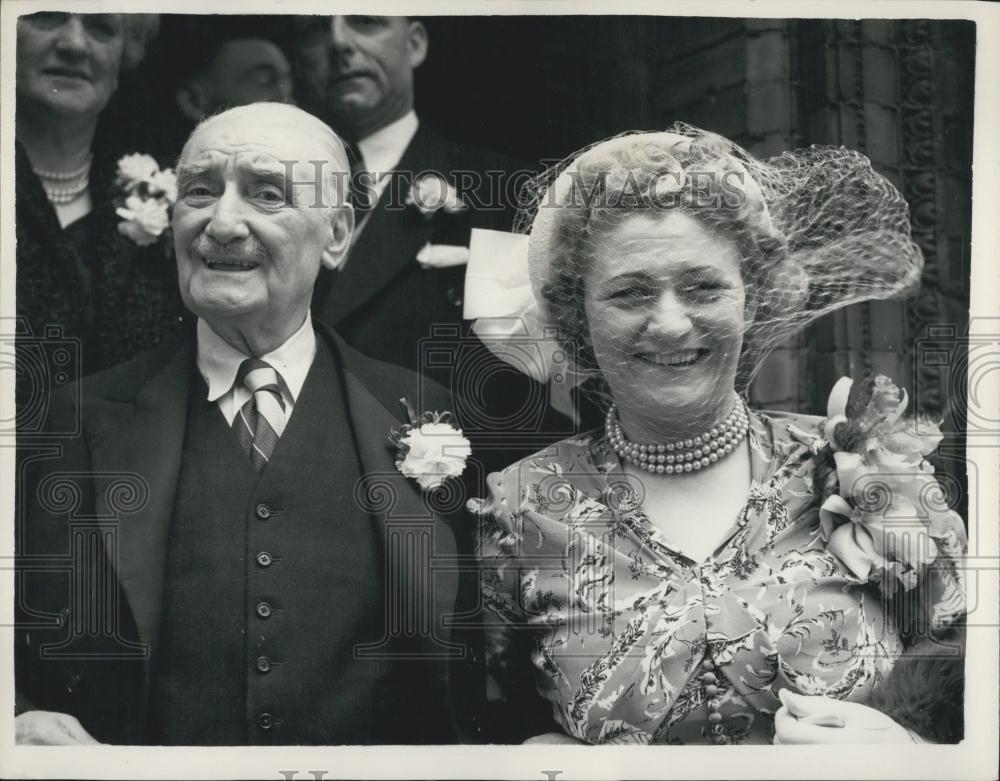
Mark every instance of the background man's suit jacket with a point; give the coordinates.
(130, 421)
(382, 302)
(385, 305)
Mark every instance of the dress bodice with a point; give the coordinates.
(635, 643)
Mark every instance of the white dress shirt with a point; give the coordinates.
(218, 362)
(384, 148)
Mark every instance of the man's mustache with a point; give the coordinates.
(248, 249)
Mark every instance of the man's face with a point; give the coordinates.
(68, 63)
(249, 246)
(357, 71)
(248, 70)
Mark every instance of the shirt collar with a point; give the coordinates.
(384, 148)
(218, 361)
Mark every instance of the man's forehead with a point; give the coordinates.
(265, 140)
(241, 158)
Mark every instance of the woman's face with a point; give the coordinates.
(68, 63)
(664, 299)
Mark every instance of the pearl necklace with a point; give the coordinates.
(686, 455)
(64, 176)
(64, 195)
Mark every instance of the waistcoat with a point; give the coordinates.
(272, 580)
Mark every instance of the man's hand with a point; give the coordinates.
(554, 739)
(825, 720)
(46, 728)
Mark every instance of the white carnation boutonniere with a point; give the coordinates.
(432, 193)
(887, 508)
(430, 448)
(147, 195)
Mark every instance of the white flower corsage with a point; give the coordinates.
(888, 507)
(148, 193)
(430, 449)
(431, 193)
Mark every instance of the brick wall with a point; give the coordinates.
(871, 85)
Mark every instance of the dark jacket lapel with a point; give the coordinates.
(428, 574)
(143, 437)
(393, 235)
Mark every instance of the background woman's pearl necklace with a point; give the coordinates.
(52, 181)
(685, 455)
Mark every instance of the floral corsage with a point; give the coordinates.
(886, 507)
(431, 193)
(430, 449)
(148, 193)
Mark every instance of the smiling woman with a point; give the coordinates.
(673, 576)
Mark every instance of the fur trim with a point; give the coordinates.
(925, 691)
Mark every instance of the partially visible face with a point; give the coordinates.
(357, 71)
(249, 246)
(68, 63)
(249, 70)
(665, 305)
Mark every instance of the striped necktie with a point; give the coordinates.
(261, 421)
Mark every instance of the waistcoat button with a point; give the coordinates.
(263, 512)
(265, 721)
(263, 664)
(264, 559)
(263, 610)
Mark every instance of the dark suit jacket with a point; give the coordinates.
(382, 302)
(385, 305)
(94, 504)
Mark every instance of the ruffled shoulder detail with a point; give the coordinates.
(883, 513)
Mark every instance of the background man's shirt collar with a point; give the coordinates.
(384, 148)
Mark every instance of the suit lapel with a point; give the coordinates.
(407, 523)
(145, 439)
(391, 239)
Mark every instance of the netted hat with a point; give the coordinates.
(817, 229)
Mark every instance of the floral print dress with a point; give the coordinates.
(635, 643)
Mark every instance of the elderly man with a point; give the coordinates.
(209, 555)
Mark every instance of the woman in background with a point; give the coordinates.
(78, 277)
(697, 571)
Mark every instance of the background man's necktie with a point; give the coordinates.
(261, 421)
(362, 191)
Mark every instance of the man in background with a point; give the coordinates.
(199, 65)
(230, 61)
(399, 296)
(405, 271)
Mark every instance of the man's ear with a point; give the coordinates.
(192, 100)
(416, 43)
(342, 225)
